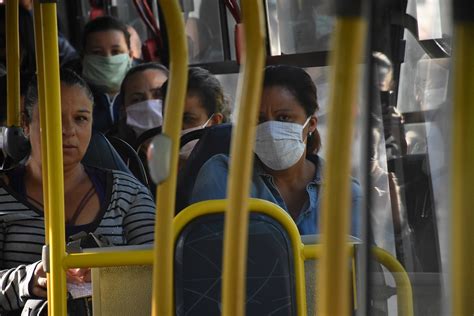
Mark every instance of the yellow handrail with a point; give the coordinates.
(108, 259)
(258, 206)
(463, 171)
(404, 290)
(241, 164)
(402, 281)
(13, 62)
(48, 55)
(333, 279)
(163, 266)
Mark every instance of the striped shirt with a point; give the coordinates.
(127, 219)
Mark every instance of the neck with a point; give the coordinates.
(303, 169)
(72, 175)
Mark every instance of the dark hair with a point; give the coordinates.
(208, 89)
(141, 68)
(203, 84)
(67, 77)
(301, 86)
(103, 24)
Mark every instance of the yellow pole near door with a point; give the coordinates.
(241, 164)
(166, 192)
(347, 51)
(463, 156)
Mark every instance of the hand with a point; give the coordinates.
(78, 275)
(39, 281)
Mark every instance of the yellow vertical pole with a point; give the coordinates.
(54, 159)
(333, 275)
(13, 62)
(163, 252)
(39, 49)
(241, 164)
(463, 156)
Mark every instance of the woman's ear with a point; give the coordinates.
(313, 123)
(25, 125)
(216, 119)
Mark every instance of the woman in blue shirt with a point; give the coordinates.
(287, 170)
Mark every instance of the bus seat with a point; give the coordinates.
(214, 140)
(122, 291)
(272, 282)
(130, 157)
(102, 154)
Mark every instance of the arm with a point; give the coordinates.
(211, 182)
(139, 222)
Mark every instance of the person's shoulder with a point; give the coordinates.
(124, 177)
(219, 161)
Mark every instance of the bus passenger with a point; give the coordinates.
(287, 170)
(205, 105)
(142, 102)
(107, 58)
(108, 203)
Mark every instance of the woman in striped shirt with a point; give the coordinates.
(110, 203)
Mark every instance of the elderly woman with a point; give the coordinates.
(104, 202)
(287, 171)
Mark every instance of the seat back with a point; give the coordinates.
(131, 158)
(102, 154)
(214, 140)
(271, 264)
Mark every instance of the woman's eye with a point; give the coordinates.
(82, 119)
(97, 52)
(283, 118)
(117, 52)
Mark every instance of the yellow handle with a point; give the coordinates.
(241, 164)
(463, 171)
(48, 54)
(333, 279)
(166, 192)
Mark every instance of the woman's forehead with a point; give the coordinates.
(278, 97)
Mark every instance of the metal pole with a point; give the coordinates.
(166, 192)
(241, 164)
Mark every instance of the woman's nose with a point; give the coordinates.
(68, 128)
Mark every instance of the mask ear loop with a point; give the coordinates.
(207, 122)
(304, 126)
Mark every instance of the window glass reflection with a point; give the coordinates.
(298, 26)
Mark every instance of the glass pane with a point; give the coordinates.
(423, 81)
(432, 16)
(419, 171)
(298, 26)
(203, 29)
(126, 12)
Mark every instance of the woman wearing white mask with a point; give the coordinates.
(107, 58)
(287, 171)
(141, 98)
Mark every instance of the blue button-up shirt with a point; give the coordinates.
(211, 184)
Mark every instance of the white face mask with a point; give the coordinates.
(144, 115)
(279, 145)
(186, 150)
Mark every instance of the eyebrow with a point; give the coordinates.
(283, 110)
(84, 111)
(140, 93)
